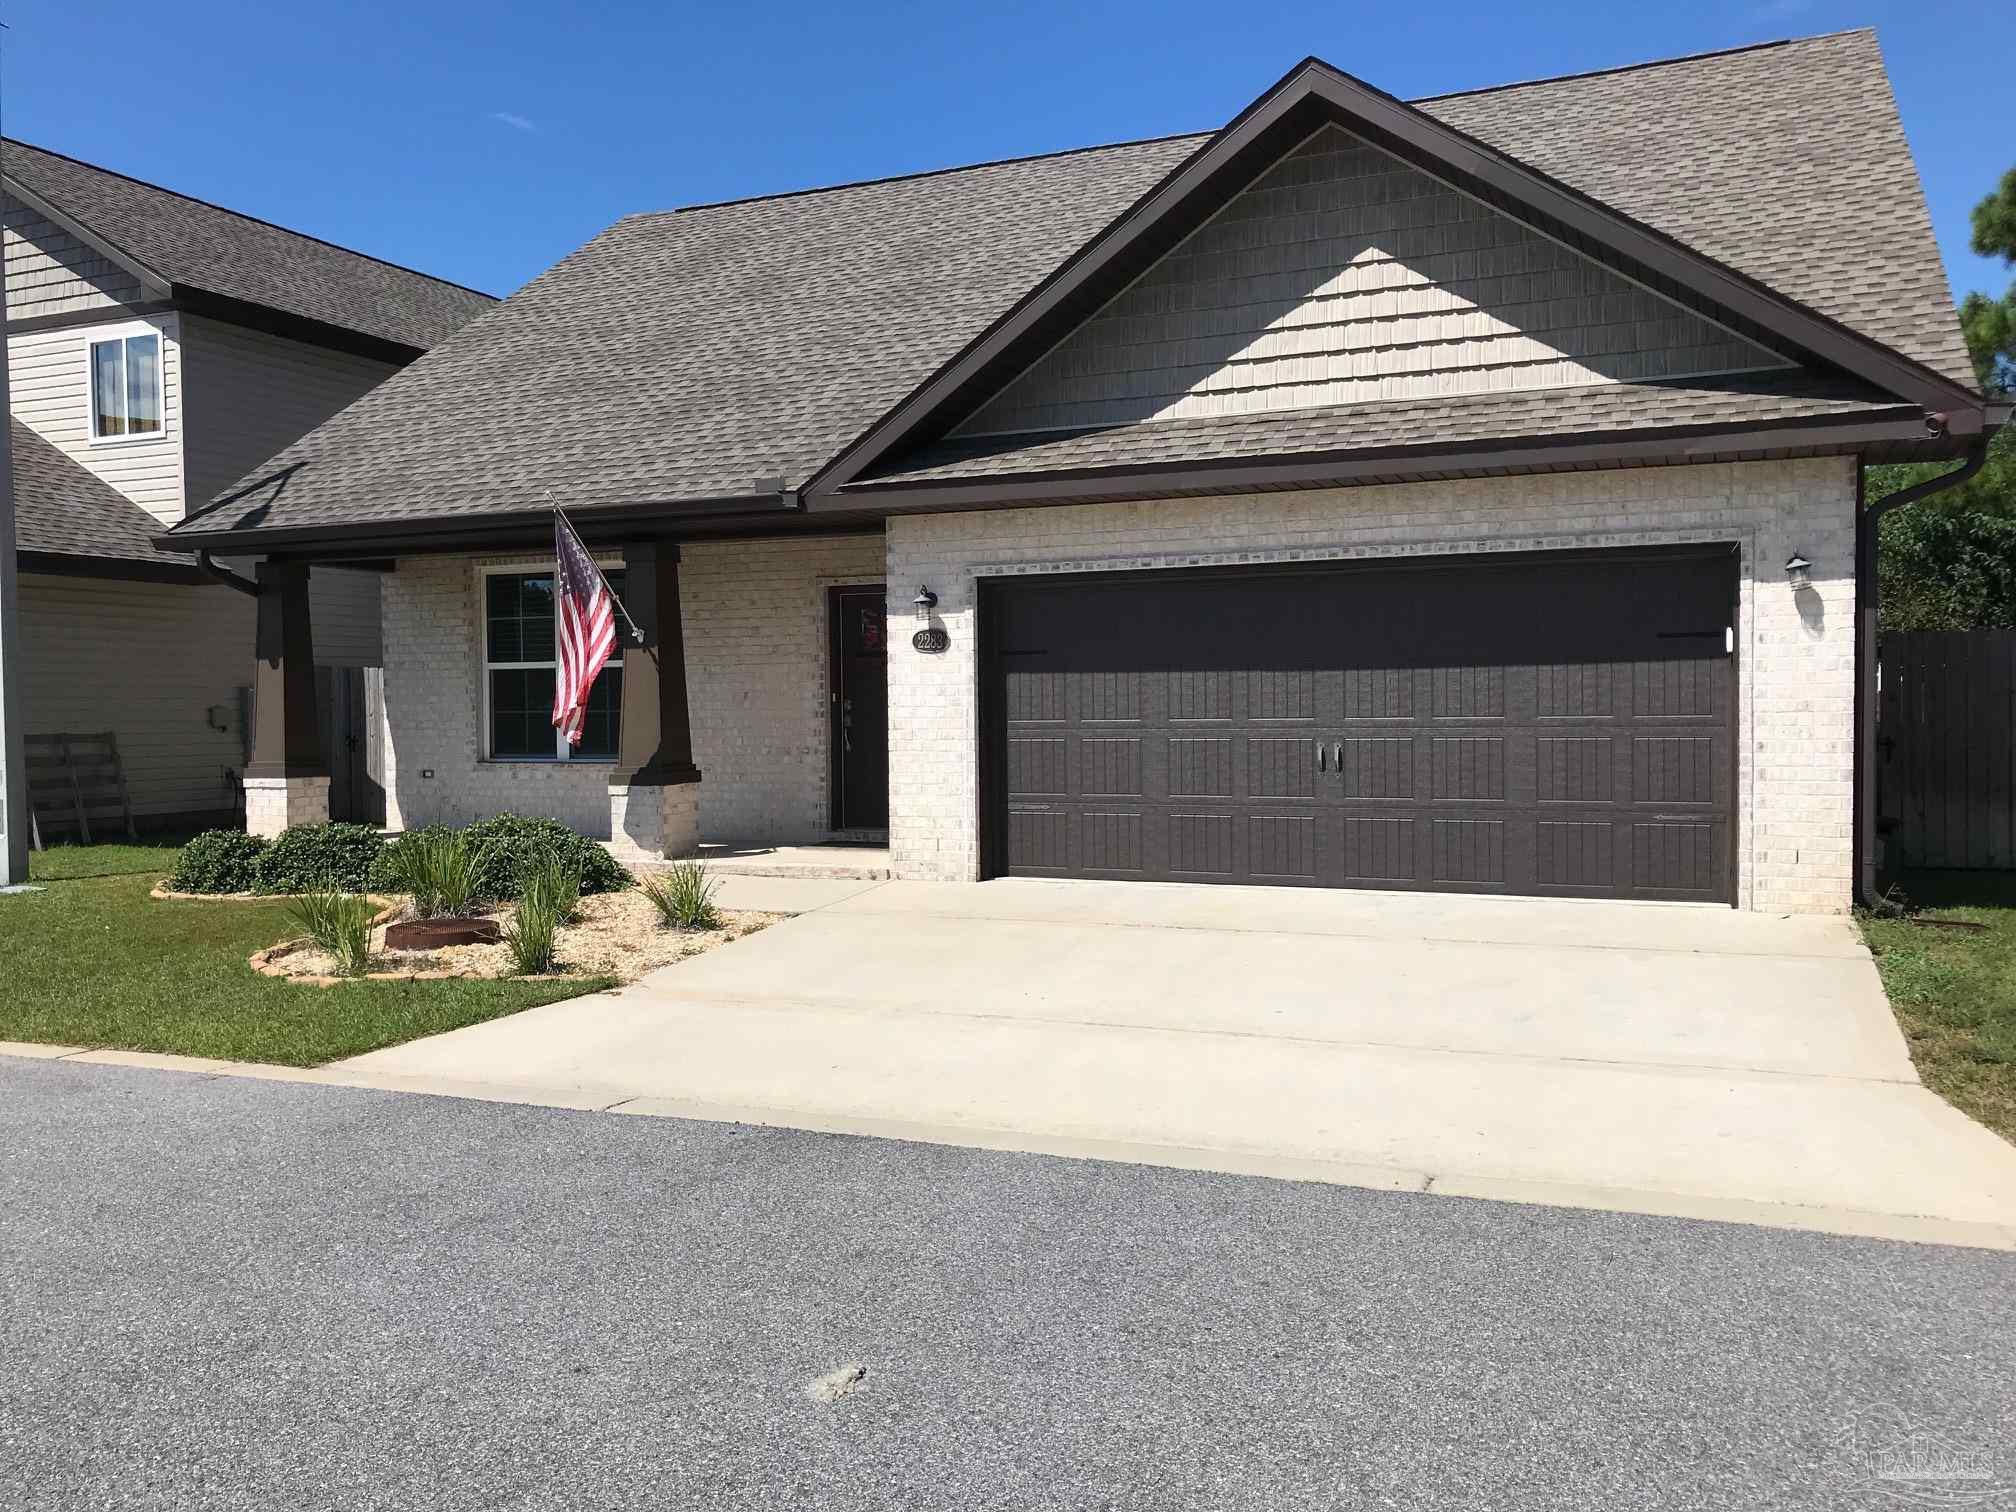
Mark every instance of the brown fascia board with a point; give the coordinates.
(153, 283)
(161, 295)
(1901, 425)
(475, 532)
(121, 569)
(1312, 94)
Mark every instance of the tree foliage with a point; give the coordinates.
(1946, 571)
(1949, 563)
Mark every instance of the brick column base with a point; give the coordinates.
(273, 804)
(654, 823)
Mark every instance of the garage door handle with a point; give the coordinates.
(1319, 758)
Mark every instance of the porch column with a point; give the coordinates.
(654, 789)
(287, 779)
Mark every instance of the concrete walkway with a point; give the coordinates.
(1646, 1057)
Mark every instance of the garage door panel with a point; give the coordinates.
(1553, 727)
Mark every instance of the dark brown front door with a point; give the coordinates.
(860, 693)
(1547, 724)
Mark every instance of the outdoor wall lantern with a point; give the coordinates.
(1798, 572)
(925, 602)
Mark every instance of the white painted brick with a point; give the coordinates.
(1795, 667)
(754, 618)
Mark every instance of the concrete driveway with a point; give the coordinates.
(1658, 1058)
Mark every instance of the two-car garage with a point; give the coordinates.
(1549, 724)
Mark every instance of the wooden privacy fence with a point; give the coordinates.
(1946, 749)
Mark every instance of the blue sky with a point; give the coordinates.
(483, 142)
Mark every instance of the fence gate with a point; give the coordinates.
(1946, 748)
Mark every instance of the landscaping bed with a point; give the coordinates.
(1954, 989)
(617, 937)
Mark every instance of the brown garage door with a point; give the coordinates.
(1544, 724)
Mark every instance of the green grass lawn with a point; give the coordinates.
(94, 961)
(1955, 992)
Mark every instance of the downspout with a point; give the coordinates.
(1867, 603)
(224, 575)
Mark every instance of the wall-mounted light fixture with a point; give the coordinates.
(925, 602)
(1798, 572)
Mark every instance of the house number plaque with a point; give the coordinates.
(932, 640)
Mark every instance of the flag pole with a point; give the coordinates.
(566, 524)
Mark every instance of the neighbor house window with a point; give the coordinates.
(126, 385)
(518, 676)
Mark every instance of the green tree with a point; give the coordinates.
(1950, 562)
(1990, 324)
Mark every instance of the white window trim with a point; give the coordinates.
(563, 754)
(123, 334)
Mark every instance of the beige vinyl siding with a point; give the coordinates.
(49, 375)
(343, 615)
(1343, 275)
(147, 661)
(50, 272)
(250, 395)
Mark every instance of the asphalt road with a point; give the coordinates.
(222, 1293)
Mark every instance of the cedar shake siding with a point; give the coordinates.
(1341, 276)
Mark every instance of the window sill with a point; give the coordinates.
(546, 761)
(139, 440)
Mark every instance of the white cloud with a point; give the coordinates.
(515, 122)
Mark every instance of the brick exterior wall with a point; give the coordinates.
(754, 616)
(1796, 654)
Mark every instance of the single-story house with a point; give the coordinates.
(1457, 494)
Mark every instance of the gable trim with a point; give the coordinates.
(152, 284)
(1314, 91)
(1778, 360)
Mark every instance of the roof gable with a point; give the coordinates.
(173, 244)
(682, 357)
(1313, 95)
(1342, 275)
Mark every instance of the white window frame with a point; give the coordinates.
(122, 335)
(563, 754)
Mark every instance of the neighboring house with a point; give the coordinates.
(1364, 495)
(158, 347)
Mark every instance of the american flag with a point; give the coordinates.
(584, 624)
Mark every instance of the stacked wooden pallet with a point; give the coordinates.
(74, 781)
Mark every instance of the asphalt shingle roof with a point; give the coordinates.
(193, 243)
(684, 355)
(62, 509)
(1479, 418)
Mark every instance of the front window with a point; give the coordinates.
(126, 386)
(518, 676)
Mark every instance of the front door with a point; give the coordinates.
(860, 697)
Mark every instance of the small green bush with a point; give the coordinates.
(555, 887)
(340, 923)
(533, 932)
(319, 858)
(509, 849)
(218, 861)
(437, 866)
(684, 897)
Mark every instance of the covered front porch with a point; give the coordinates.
(752, 716)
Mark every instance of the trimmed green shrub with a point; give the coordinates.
(319, 858)
(437, 866)
(340, 923)
(508, 850)
(684, 897)
(218, 861)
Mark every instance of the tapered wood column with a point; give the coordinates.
(654, 786)
(287, 779)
